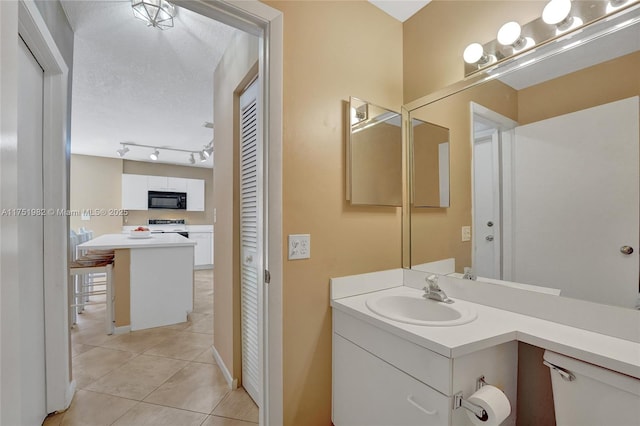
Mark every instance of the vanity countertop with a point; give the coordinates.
(495, 326)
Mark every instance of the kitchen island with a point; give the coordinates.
(152, 279)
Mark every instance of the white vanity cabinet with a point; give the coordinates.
(382, 379)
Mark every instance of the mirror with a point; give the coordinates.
(374, 155)
(544, 169)
(430, 164)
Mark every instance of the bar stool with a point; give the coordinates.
(83, 269)
(79, 269)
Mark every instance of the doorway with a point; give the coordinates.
(254, 17)
(491, 134)
(31, 232)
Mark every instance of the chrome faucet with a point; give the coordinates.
(468, 274)
(433, 290)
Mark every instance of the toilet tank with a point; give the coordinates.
(595, 396)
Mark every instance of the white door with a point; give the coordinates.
(251, 241)
(486, 205)
(31, 235)
(576, 203)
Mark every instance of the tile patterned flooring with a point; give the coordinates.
(161, 376)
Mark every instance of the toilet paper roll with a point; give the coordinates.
(494, 402)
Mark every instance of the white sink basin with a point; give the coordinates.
(420, 311)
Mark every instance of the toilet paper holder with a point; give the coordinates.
(460, 402)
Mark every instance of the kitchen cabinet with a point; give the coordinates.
(203, 254)
(165, 183)
(136, 187)
(195, 195)
(134, 192)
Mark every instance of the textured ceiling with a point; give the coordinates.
(133, 83)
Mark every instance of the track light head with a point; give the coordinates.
(154, 155)
(192, 159)
(122, 151)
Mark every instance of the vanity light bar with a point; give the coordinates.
(559, 17)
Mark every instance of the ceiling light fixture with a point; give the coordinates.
(206, 152)
(156, 13)
(122, 151)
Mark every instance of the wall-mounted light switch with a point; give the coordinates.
(466, 233)
(299, 246)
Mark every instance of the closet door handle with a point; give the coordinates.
(421, 408)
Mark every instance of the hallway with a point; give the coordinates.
(161, 376)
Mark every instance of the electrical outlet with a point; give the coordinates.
(466, 233)
(299, 246)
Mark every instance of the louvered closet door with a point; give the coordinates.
(251, 240)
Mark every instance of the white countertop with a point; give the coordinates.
(495, 326)
(120, 241)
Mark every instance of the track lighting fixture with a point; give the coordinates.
(203, 154)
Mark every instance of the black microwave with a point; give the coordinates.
(167, 200)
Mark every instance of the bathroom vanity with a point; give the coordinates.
(389, 371)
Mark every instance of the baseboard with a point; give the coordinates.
(71, 390)
(233, 383)
(122, 330)
(202, 267)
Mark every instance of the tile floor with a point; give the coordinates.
(161, 376)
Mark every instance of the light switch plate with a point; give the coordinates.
(466, 233)
(299, 246)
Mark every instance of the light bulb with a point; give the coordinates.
(154, 155)
(473, 53)
(509, 33)
(556, 11)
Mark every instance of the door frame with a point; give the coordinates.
(504, 126)
(251, 16)
(23, 18)
(264, 22)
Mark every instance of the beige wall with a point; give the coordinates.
(238, 63)
(95, 184)
(332, 50)
(435, 37)
(140, 217)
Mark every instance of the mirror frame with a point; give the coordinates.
(585, 34)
